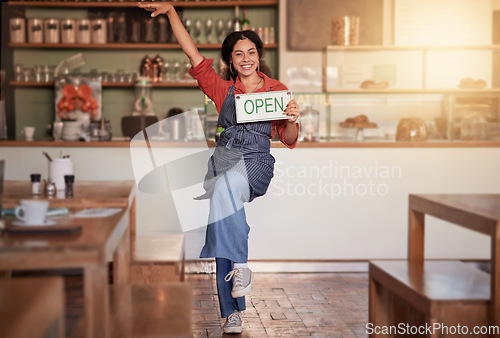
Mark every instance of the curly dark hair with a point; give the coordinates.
(228, 46)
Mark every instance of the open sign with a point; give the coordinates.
(262, 106)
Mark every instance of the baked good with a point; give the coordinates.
(359, 121)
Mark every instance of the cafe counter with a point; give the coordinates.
(327, 201)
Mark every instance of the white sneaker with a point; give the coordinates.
(242, 282)
(233, 323)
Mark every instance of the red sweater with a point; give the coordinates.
(216, 89)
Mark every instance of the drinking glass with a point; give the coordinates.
(229, 26)
(209, 24)
(219, 29)
(167, 66)
(197, 30)
(188, 24)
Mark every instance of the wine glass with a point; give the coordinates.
(188, 24)
(208, 29)
(219, 29)
(229, 26)
(167, 65)
(197, 30)
(176, 66)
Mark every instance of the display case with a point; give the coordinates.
(449, 89)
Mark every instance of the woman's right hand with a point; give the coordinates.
(156, 7)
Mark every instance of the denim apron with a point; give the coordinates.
(244, 148)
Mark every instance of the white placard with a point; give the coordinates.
(266, 106)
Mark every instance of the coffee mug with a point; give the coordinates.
(32, 212)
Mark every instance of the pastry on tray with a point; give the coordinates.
(359, 121)
(370, 84)
(469, 83)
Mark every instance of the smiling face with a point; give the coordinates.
(245, 57)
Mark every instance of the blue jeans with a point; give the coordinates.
(227, 235)
(226, 302)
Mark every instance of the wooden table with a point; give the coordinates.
(32, 307)
(101, 240)
(477, 212)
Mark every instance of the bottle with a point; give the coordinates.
(265, 38)
(260, 33)
(69, 180)
(35, 184)
(245, 24)
(272, 35)
(236, 20)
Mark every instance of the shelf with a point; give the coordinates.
(185, 4)
(120, 45)
(393, 48)
(190, 84)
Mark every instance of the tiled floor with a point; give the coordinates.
(281, 304)
(289, 305)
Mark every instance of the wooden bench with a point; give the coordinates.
(155, 259)
(152, 310)
(435, 292)
(32, 307)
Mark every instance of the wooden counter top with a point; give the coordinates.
(331, 144)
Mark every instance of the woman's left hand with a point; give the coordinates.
(292, 109)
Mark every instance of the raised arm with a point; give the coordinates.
(183, 38)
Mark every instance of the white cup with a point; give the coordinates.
(32, 212)
(28, 132)
(59, 167)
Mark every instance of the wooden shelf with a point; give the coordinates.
(186, 84)
(120, 45)
(394, 48)
(185, 4)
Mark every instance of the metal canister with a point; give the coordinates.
(17, 30)
(99, 31)
(35, 30)
(68, 31)
(51, 30)
(83, 31)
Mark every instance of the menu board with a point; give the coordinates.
(442, 22)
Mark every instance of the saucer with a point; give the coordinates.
(46, 223)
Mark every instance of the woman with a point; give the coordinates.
(241, 167)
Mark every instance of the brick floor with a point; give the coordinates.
(289, 305)
(281, 304)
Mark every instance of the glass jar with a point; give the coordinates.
(474, 127)
(309, 125)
